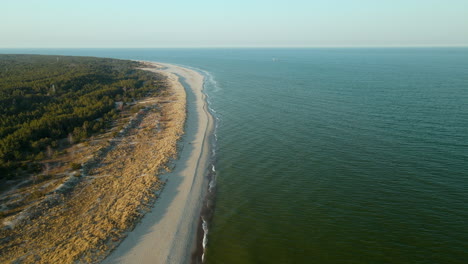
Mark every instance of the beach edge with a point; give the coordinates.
(168, 233)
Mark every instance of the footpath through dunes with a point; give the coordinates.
(167, 234)
(117, 187)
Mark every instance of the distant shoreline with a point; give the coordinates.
(168, 234)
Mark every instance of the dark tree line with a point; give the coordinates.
(46, 98)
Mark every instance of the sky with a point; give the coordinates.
(240, 23)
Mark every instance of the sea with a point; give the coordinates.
(331, 155)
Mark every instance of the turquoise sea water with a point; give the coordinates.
(333, 155)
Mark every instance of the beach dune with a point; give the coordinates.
(167, 233)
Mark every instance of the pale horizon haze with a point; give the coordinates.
(209, 23)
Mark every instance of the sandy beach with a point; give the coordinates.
(167, 233)
(139, 192)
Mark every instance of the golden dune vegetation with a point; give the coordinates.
(118, 184)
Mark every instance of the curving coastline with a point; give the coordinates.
(168, 234)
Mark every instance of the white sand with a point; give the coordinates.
(167, 233)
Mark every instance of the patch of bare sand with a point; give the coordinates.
(167, 234)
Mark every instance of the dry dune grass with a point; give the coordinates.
(114, 192)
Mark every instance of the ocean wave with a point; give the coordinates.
(210, 79)
(212, 183)
(205, 237)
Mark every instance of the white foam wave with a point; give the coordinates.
(205, 237)
(212, 183)
(211, 186)
(211, 80)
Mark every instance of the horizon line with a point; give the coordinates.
(246, 47)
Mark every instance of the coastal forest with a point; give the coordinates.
(49, 101)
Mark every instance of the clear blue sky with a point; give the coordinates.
(210, 23)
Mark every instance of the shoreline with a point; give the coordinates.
(168, 233)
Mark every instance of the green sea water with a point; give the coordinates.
(342, 156)
(333, 155)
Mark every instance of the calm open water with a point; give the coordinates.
(333, 155)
